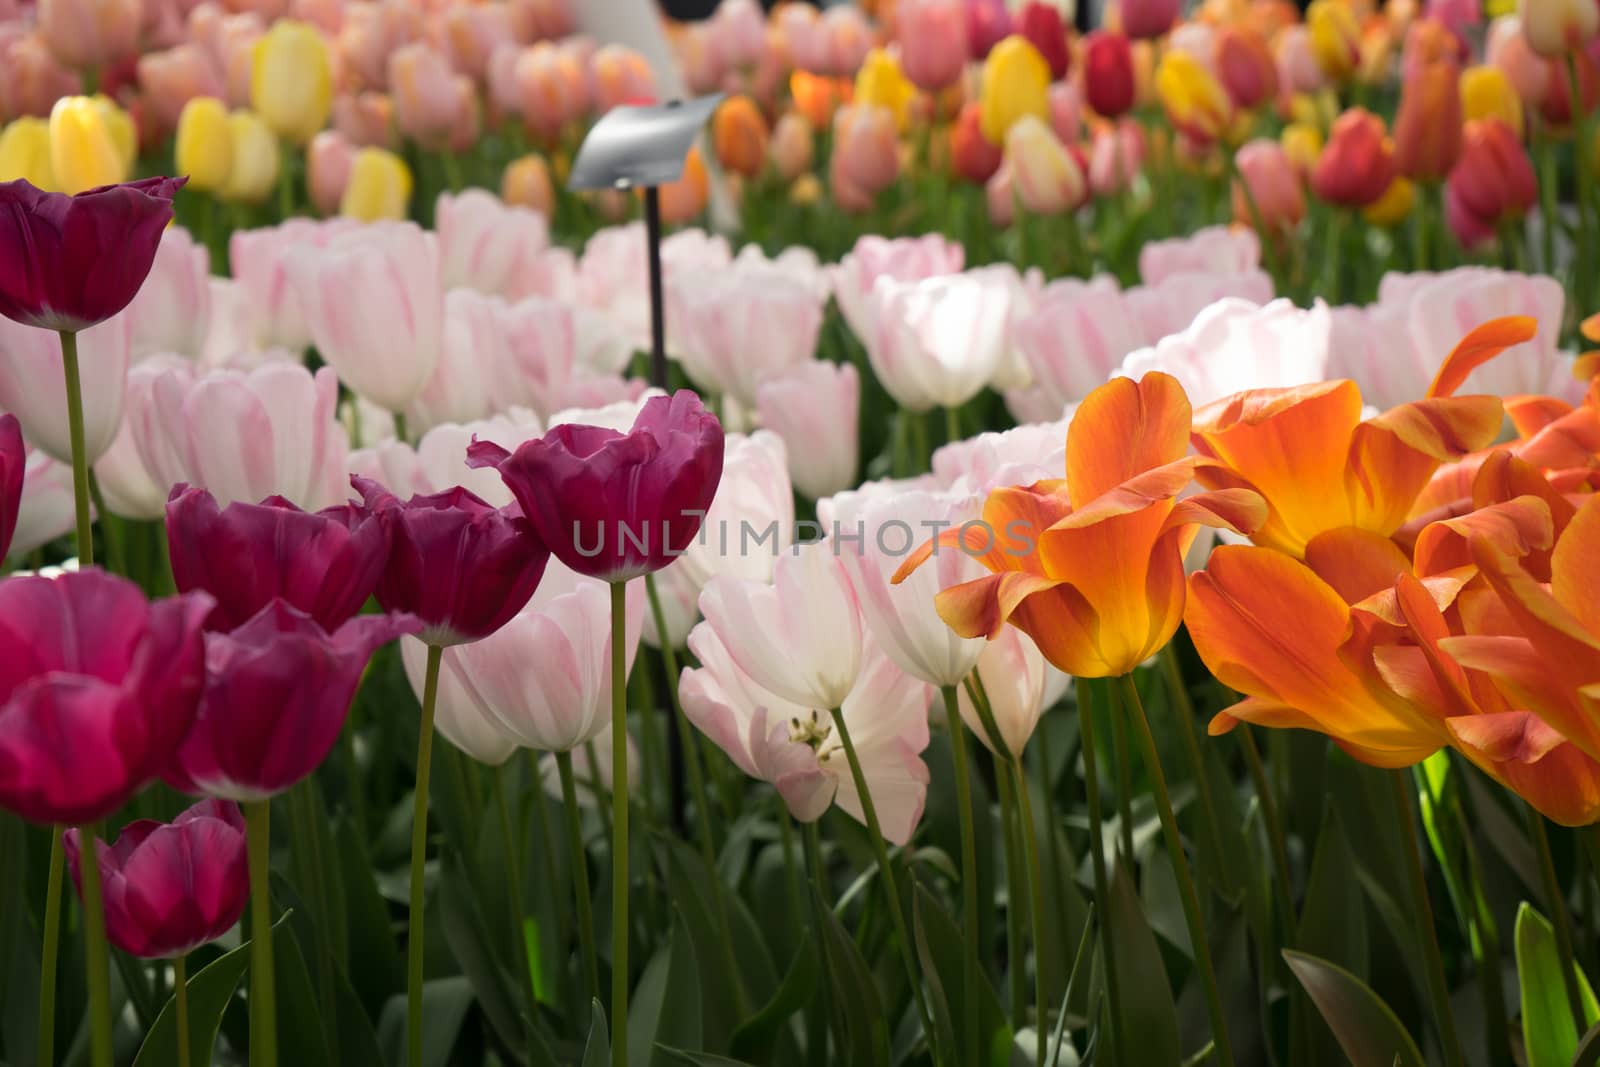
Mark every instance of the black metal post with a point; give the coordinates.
(658, 327)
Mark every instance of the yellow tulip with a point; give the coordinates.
(880, 82)
(1194, 100)
(1394, 205)
(1486, 92)
(291, 80)
(1335, 37)
(84, 152)
(1016, 82)
(806, 190)
(254, 170)
(25, 152)
(123, 132)
(1302, 143)
(205, 144)
(380, 187)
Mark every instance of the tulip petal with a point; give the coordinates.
(980, 608)
(1523, 751)
(1478, 347)
(1518, 528)
(1393, 456)
(1122, 429)
(1355, 562)
(1575, 566)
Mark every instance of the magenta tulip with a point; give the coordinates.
(13, 458)
(612, 505)
(277, 691)
(97, 689)
(325, 563)
(457, 563)
(172, 887)
(68, 262)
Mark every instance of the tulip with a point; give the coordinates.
(790, 745)
(1074, 339)
(291, 81)
(172, 312)
(752, 516)
(277, 690)
(1048, 578)
(611, 505)
(866, 156)
(1335, 37)
(1066, 112)
(684, 199)
(1016, 82)
(1299, 71)
(879, 83)
(254, 151)
(814, 407)
(1394, 206)
(1214, 250)
(1427, 132)
(171, 887)
(1554, 28)
(1471, 230)
(33, 387)
(1018, 685)
(13, 462)
(329, 159)
(1507, 49)
(260, 262)
(938, 342)
(1108, 78)
(1000, 197)
(1486, 92)
(172, 79)
(1358, 163)
(84, 153)
(973, 156)
(25, 152)
(379, 187)
(1047, 177)
(932, 35)
(366, 120)
(743, 327)
(1245, 67)
(1265, 170)
(1302, 143)
(1195, 102)
(205, 144)
(88, 34)
(621, 76)
(902, 259)
(1235, 345)
(1116, 157)
(1494, 179)
(549, 89)
(457, 716)
(482, 240)
(740, 135)
(92, 659)
(526, 183)
(1556, 105)
(433, 105)
(1040, 24)
(325, 564)
(1148, 19)
(988, 23)
(351, 290)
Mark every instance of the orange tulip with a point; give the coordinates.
(684, 199)
(1427, 129)
(740, 135)
(1093, 570)
(817, 98)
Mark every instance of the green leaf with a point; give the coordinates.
(755, 1038)
(1367, 1031)
(597, 1053)
(302, 1033)
(376, 970)
(210, 989)
(1549, 1032)
(1588, 1054)
(665, 1005)
(939, 934)
(858, 1008)
(1144, 993)
(445, 1002)
(698, 1059)
(944, 1033)
(467, 933)
(1333, 919)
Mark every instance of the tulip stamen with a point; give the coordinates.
(813, 732)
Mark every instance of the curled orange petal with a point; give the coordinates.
(1478, 347)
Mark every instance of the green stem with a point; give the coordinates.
(263, 991)
(419, 855)
(1584, 265)
(1134, 709)
(969, 868)
(180, 998)
(1333, 266)
(1016, 979)
(1120, 746)
(952, 425)
(1030, 851)
(116, 555)
(619, 817)
(400, 427)
(97, 959)
(812, 841)
(1419, 230)
(1269, 247)
(1549, 190)
(578, 858)
(891, 884)
(1438, 988)
(452, 171)
(1274, 827)
(1557, 903)
(52, 951)
(510, 840)
(287, 153)
(1183, 710)
(818, 1019)
(686, 735)
(80, 457)
(1097, 851)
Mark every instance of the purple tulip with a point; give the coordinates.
(277, 691)
(172, 887)
(460, 565)
(613, 505)
(97, 689)
(325, 563)
(13, 458)
(68, 262)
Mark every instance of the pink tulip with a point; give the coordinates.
(329, 158)
(703, 67)
(1274, 187)
(1046, 175)
(545, 340)
(366, 120)
(1172, 304)
(795, 745)
(1148, 18)
(744, 326)
(939, 341)
(542, 20)
(1507, 48)
(866, 155)
(988, 23)
(170, 79)
(375, 308)
(1212, 250)
(1019, 685)
(371, 33)
(739, 33)
(621, 76)
(32, 386)
(130, 488)
(438, 461)
(482, 239)
(750, 521)
(549, 89)
(433, 105)
(45, 509)
(1021, 455)
(1066, 112)
(34, 79)
(814, 406)
(87, 34)
(1074, 339)
(1235, 345)
(1000, 196)
(471, 33)
(456, 715)
(1298, 69)
(933, 41)
(260, 265)
(832, 44)
(235, 48)
(906, 259)
(1116, 157)
(172, 312)
(473, 360)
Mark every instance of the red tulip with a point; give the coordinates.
(1357, 165)
(1556, 104)
(933, 41)
(97, 689)
(172, 887)
(1494, 178)
(611, 505)
(1041, 25)
(1108, 74)
(972, 155)
(68, 262)
(1245, 66)
(277, 691)
(1427, 129)
(326, 563)
(988, 23)
(461, 566)
(13, 457)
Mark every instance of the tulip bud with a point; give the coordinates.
(740, 135)
(1195, 103)
(1428, 41)
(204, 148)
(1471, 230)
(120, 124)
(1507, 49)
(879, 83)
(1556, 107)
(1335, 37)
(1296, 60)
(433, 105)
(621, 76)
(1427, 129)
(1047, 178)
(291, 80)
(1148, 19)
(791, 147)
(1357, 167)
(683, 200)
(816, 97)
(379, 187)
(932, 35)
(1116, 157)
(169, 80)
(83, 150)
(366, 119)
(1016, 82)
(1040, 24)
(1108, 74)
(86, 34)
(972, 155)
(866, 157)
(1270, 178)
(1494, 178)
(25, 152)
(1393, 207)
(1555, 27)
(329, 159)
(526, 183)
(254, 172)
(988, 23)
(1486, 92)
(1302, 143)
(1245, 66)
(1000, 196)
